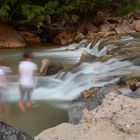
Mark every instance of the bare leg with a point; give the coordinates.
(28, 102)
(20, 102)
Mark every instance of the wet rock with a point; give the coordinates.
(98, 97)
(105, 58)
(7, 132)
(86, 57)
(112, 49)
(131, 81)
(75, 111)
(48, 67)
(88, 93)
(133, 84)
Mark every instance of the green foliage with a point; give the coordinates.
(4, 11)
(5, 8)
(9, 1)
(100, 4)
(126, 7)
(66, 11)
(51, 7)
(34, 13)
(74, 18)
(125, 10)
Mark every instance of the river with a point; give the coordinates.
(53, 94)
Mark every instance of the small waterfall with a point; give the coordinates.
(85, 76)
(67, 85)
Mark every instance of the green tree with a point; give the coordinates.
(66, 11)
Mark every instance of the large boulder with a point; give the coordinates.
(7, 132)
(10, 38)
(48, 67)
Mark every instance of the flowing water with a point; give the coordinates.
(57, 92)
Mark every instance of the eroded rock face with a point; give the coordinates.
(8, 132)
(10, 38)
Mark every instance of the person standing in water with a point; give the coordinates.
(26, 71)
(4, 107)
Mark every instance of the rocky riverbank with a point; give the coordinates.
(113, 116)
(110, 112)
(93, 29)
(99, 27)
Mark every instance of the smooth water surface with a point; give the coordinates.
(41, 116)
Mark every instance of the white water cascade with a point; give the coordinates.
(85, 76)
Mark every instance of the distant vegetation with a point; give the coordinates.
(65, 11)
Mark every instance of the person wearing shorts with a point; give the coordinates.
(26, 70)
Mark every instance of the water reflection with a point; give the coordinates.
(40, 117)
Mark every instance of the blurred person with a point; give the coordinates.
(26, 71)
(4, 107)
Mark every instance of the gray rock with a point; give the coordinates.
(75, 112)
(98, 97)
(8, 132)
